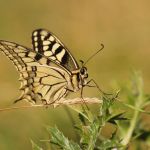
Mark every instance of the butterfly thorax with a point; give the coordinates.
(78, 79)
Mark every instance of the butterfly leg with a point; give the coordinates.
(81, 94)
(97, 86)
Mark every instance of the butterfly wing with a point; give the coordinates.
(49, 45)
(38, 80)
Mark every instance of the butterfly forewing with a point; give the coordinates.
(39, 80)
(49, 45)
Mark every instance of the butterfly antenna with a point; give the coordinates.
(102, 47)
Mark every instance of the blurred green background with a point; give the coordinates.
(122, 26)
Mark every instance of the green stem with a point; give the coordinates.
(134, 120)
(93, 140)
(96, 132)
(128, 136)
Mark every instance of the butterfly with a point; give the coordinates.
(48, 71)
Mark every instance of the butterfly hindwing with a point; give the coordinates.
(38, 80)
(49, 45)
(42, 83)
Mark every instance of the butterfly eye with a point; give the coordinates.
(83, 71)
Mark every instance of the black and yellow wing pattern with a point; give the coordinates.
(49, 45)
(44, 70)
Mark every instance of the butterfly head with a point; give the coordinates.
(83, 73)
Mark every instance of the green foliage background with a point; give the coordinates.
(122, 26)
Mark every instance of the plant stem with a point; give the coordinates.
(128, 136)
(93, 139)
(136, 113)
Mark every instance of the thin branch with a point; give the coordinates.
(77, 101)
(61, 102)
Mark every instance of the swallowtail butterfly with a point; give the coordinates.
(48, 71)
